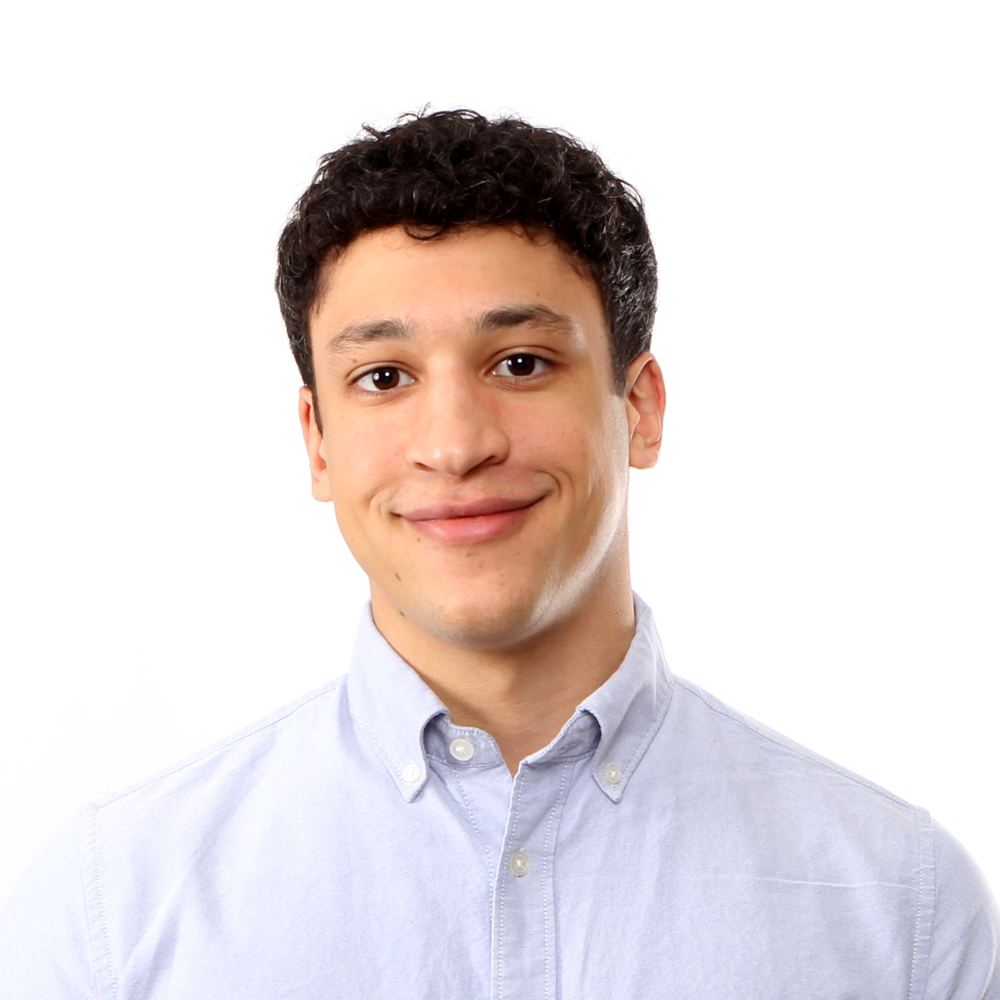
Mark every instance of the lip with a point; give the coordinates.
(475, 521)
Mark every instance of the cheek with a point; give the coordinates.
(362, 459)
(584, 449)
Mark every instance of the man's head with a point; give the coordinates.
(477, 430)
(455, 169)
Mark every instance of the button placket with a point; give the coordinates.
(523, 946)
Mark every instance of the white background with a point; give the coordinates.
(820, 541)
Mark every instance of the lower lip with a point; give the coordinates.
(467, 530)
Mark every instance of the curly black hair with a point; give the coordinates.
(433, 172)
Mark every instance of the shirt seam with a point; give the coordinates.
(802, 753)
(641, 746)
(475, 826)
(219, 748)
(382, 751)
(648, 736)
(88, 921)
(916, 926)
(924, 929)
(548, 899)
(387, 758)
(468, 766)
(464, 765)
(101, 931)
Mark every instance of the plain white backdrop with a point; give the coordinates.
(820, 541)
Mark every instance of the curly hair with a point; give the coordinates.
(434, 172)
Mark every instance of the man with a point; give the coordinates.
(509, 795)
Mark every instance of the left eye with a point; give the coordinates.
(520, 365)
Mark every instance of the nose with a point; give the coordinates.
(456, 428)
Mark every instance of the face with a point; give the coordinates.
(472, 444)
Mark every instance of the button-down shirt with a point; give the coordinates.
(359, 845)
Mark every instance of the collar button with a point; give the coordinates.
(462, 749)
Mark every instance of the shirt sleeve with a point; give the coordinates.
(44, 936)
(965, 939)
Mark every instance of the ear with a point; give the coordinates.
(645, 401)
(313, 437)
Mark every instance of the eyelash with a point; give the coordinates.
(381, 369)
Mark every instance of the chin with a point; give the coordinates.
(482, 617)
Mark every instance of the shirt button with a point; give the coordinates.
(462, 749)
(612, 773)
(520, 863)
(411, 773)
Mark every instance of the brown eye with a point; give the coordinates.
(383, 378)
(521, 365)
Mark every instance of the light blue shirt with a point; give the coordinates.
(358, 845)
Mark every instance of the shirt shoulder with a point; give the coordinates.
(749, 743)
(150, 833)
(797, 815)
(964, 961)
(46, 934)
(818, 823)
(310, 725)
(104, 873)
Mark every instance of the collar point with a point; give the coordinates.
(410, 780)
(613, 790)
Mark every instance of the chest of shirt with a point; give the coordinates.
(692, 885)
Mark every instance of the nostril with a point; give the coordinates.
(458, 448)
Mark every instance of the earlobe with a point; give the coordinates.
(646, 398)
(313, 437)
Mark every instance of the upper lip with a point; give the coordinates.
(472, 508)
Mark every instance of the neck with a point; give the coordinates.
(522, 694)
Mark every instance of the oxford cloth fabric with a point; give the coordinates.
(662, 845)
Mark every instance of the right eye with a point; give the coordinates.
(383, 378)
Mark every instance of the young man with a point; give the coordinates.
(509, 795)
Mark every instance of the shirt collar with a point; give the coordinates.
(629, 706)
(393, 706)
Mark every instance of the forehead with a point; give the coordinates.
(390, 274)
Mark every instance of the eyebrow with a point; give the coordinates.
(367, 332)
(516, 315)
(491, 321)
